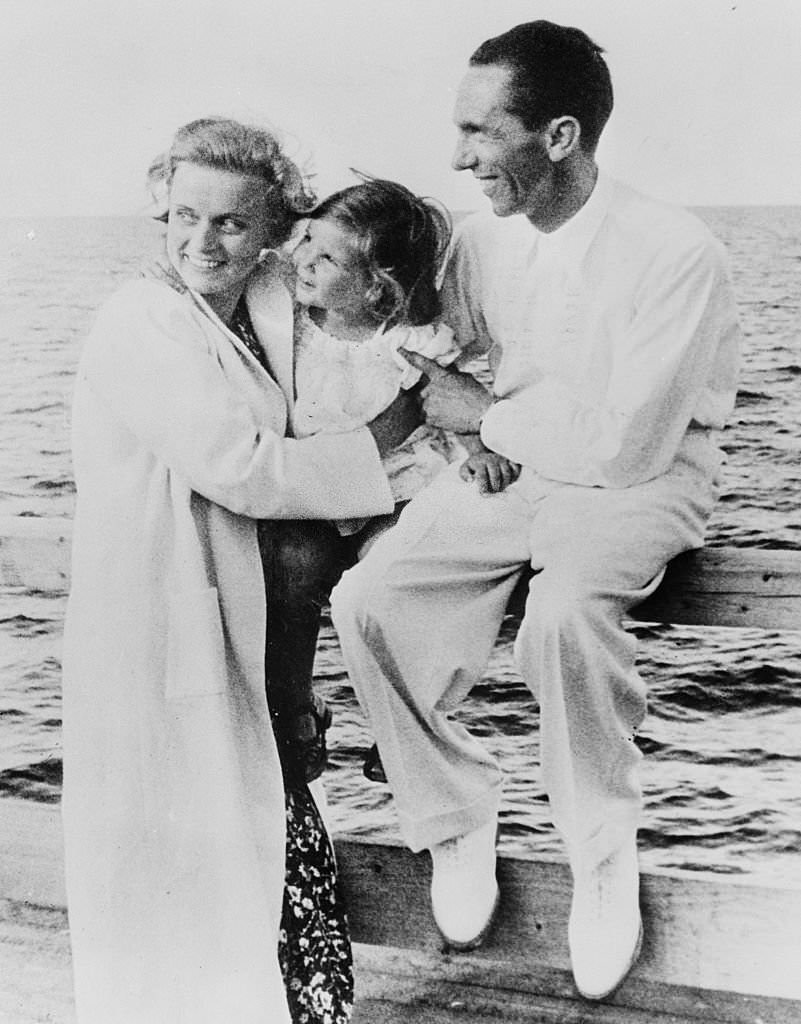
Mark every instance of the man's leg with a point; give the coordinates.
(417, 620)
(598, 552)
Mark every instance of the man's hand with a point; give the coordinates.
(490, 472)
(451, 399)
(392, 426)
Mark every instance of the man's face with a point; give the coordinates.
(509, 160)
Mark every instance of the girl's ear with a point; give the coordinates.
(563, 137)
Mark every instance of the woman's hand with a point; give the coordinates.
(451, 399)
(392, 426)
(490, 472)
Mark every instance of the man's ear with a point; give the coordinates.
(563, 136)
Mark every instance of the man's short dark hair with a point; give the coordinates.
(558, 71)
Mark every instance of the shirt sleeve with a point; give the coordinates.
(679, 349)
(460, 298)
(149, 363)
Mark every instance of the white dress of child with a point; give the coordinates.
(341, 385)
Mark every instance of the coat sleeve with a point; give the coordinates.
(677, 356)
(149, 361)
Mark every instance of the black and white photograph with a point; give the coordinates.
(400, 548)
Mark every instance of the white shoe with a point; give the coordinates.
(605, 929)
(464, 892)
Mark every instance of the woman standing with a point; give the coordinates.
(173, 804)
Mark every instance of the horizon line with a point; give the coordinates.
(454, 212)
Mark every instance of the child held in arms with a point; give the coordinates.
(365, 289)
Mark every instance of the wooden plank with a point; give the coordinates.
(715, 949)
(31, 854)
(395, 986)
(35, 553)
(734, 587)
(401, 986)
(35, 966)
(729, 587)
(747, 587)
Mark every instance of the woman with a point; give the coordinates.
(173, 802)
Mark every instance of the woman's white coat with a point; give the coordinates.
(173, 802)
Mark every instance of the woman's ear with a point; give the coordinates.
(563, 137)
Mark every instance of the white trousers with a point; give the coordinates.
(418, 617)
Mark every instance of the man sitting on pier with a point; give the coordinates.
(610, 328)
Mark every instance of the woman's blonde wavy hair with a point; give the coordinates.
(229, 145)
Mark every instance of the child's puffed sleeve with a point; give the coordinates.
(436, 342)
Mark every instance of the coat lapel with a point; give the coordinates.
(270, 307)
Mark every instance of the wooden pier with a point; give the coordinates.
(717, 950)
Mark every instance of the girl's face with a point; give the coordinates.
(218, 222)
(330, 270)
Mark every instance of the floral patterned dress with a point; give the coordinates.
(314, 948)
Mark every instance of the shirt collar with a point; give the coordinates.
(572, 240)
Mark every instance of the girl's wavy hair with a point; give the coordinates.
(229, 145)
(403, 239)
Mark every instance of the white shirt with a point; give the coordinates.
(608, 338)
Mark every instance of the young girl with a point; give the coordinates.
(366, 274)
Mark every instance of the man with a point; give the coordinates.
(611, 331)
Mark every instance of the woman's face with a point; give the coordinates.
(218, 222)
